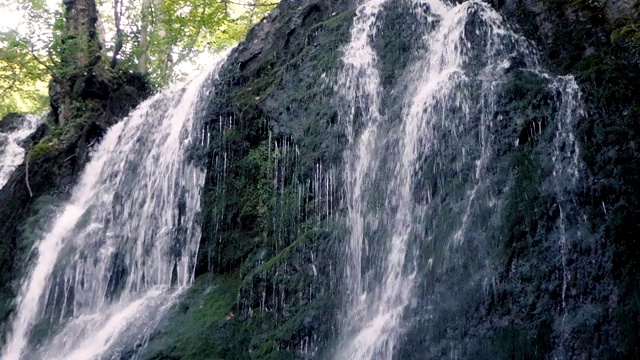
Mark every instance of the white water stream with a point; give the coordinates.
(11, 151)
(123, 248)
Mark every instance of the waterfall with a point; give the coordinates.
(124, 247)
(444, 130)
(359, 85)
(11, 145)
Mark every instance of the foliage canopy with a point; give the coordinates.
(165, 39)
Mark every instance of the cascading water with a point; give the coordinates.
(11, 150)
(124, 247)
(359, 85)
(445, 132)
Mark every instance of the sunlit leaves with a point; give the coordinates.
(169, 33)
(23, 76)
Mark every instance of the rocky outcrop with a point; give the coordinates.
(11, 122)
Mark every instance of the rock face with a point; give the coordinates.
(11, 122)
(269, 272)
(597, 42)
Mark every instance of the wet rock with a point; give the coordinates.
(11, 122)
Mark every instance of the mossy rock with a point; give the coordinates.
(46, 147)
(203, 325)
(628, 33)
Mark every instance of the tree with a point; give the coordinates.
(154, 37)
(78, 71)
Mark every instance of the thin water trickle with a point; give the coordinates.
(125, 245)
(566, 165)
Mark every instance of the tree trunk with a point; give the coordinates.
(80, 33)
(79, 75)
(117, 14)
(145, 19)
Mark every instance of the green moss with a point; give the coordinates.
(308, 234)
(46, 146)
(58, 136)
(630, 33)
(256, 187)
(334, 29)
(203, 326)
